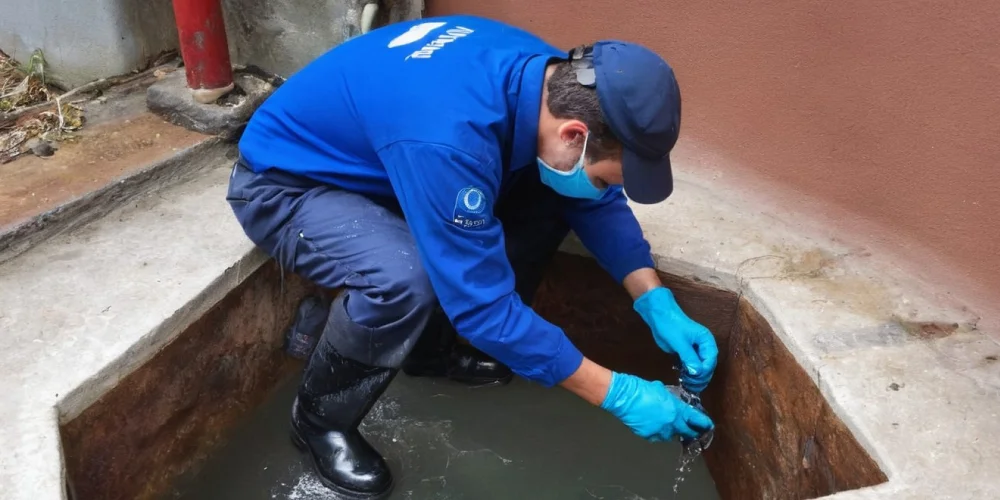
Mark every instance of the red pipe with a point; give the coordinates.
(204, 46)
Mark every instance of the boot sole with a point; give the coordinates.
(345, 493)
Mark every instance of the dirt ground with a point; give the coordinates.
(34, 185)
(105, 135)
(33, 112)
(37, 117)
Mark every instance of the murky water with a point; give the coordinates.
(445, 441)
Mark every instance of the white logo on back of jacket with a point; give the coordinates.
(415, 34)
(420, 31)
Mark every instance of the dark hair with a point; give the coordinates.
(568, 99)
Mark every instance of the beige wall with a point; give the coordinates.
(883, 115)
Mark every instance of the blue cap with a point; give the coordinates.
(641, 102)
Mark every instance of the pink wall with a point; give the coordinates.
(883, 115)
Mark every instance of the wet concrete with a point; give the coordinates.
(445, 441)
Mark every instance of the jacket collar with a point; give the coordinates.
(525, 101)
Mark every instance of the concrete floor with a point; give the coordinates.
(909, 371)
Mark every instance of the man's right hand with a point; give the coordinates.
(651, 410)
(648, 408)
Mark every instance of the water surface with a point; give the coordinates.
(446, 441)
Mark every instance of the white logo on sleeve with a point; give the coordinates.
(472, 199)
(414, 34)
(471, 209)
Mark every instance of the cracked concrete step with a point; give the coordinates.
(84, 308)
(123, 152)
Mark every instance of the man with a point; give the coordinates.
(430, 169)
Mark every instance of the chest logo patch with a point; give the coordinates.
(471, 209)
(415, 34)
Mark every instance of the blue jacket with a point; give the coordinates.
(432, 112)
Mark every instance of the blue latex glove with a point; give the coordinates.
(651, 410)
(676, 333)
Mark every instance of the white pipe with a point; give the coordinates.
(368, 16)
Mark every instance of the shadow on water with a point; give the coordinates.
(445, 441)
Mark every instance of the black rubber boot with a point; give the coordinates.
(335, 395)
(307, 328)
(438, 354)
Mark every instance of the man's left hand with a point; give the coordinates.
(675, 332)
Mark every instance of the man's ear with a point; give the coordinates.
(572, 132)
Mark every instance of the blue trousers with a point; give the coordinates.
(344, 240)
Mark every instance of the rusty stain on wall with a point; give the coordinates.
(167, 415)
(776, 436)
